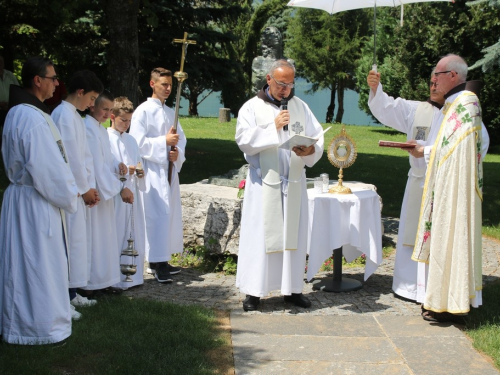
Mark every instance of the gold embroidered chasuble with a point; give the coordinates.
(449, 229)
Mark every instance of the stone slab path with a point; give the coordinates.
(369, 331)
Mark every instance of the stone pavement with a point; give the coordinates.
(371, 331)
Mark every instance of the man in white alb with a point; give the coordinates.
(273, 237)
(34, 303)
(415, 119)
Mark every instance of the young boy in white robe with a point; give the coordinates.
(124, 148)
(84, 87)
(104, 266)
(152, 127)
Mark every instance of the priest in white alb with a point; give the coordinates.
(34, 303)
(415, 119)
(273, 236)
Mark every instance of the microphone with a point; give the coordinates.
(284, 106)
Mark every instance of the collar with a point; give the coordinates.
(18, 95)
(156, 101)
(69, 105)
(114, 131)
(434, 104)
(263, 95)
(92, 120)
(474, 86)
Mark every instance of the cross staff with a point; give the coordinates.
(181, 77)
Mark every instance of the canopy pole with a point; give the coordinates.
(374, 67)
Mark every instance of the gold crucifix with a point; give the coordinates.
(181, 77)
(185, 42)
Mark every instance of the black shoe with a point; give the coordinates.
(298, 299)
(173, 270)
(250, 303)
(162, 273)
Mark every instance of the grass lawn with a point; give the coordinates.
(126, 336)
(483, 324)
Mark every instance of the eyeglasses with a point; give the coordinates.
(436, 74)
(284, 85)
(54, 78)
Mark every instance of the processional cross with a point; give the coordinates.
(181, 77)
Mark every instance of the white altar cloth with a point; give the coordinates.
(349, 220)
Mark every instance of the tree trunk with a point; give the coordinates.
(331, 107)
(193, 103)
(123, 48)
(193, 108)
(340, 96)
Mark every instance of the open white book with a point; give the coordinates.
(301, 140)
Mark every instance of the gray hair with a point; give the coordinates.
(457, 64)
(282, 63)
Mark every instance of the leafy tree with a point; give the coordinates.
(407, 54)
(325, 49)
(123, 48)
(207, 63)
(491, 53)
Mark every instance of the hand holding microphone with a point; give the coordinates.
(284, 107)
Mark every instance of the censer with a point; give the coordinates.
(129, 269)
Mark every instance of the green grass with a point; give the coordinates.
(483, 324)
(120, 336)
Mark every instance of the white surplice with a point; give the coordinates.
(34, 303)
(72, 129)
(400, 114)
(124, 148)
(105, 262)
(258, 272)
(162, 210)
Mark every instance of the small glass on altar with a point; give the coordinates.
(326, 182)
(318, 185)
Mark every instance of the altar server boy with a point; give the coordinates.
(128, 224)
(84, 87)
(104, 266)
(152, 127)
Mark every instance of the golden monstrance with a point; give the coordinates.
(342, 154)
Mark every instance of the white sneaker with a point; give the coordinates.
(82, 301)
(75, 315)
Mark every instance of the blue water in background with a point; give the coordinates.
(318, 102)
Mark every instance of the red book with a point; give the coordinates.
(396, 144)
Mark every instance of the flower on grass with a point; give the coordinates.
(241, 188)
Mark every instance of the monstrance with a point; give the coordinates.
(342, 154)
